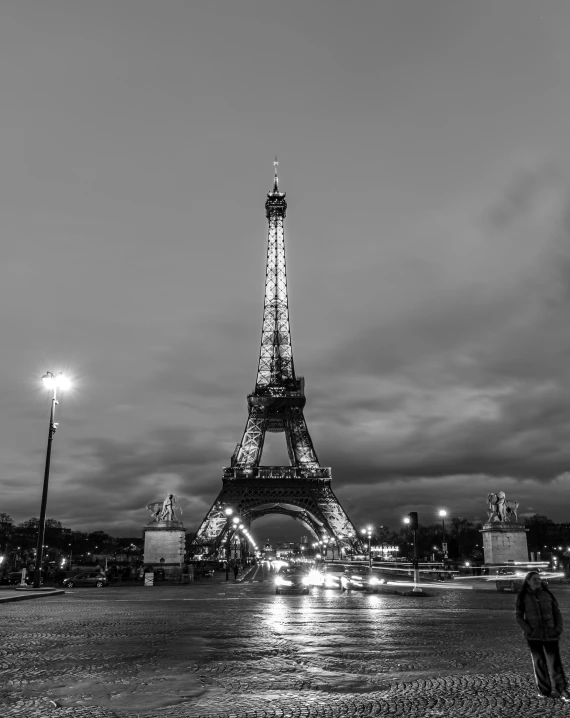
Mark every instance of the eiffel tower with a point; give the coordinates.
(303, 489)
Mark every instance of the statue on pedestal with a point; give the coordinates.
(163, 510)
(500, 509)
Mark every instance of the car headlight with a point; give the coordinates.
(315, 577)
(279, 581)
(306, 581)
(374, 581)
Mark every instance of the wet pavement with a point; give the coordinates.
(236, 649)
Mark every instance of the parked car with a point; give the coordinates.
(203, 572)
(92, 578)
(360, 578)
(15, 577)
(292, 579)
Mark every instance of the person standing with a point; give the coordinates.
(538, 614)
(236, 570)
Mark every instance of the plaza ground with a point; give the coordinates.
(237, 649)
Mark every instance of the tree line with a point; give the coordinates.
(18, 543)
(463, 539)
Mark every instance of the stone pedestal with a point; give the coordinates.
(504, 542)
(164, 545)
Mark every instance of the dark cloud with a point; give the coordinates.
(439, 398)
(429, 297)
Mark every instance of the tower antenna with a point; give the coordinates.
(276, 182)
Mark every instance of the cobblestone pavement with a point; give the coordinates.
(237, 649)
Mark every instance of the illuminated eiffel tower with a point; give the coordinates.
(303, 489)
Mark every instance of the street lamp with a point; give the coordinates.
(228, 511)
(382, 541)
(50, 382)
(368, 532)
(412, 521)
(443, 514)
(326, 545)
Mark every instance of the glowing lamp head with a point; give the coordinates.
(229, 511)
(49, 380)
(60, 381)
(406, 520)
(443, 513)
(63, 382)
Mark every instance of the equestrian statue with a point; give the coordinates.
(500, 509)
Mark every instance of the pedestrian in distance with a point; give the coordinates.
(236, 570)
(539, 616)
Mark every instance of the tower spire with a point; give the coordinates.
(276, 180)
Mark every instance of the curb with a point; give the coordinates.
(27, 596)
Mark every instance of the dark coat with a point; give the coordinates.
(537, 613)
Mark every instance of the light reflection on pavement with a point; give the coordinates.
(236, 649)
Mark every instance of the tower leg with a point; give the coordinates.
(248, 452)
(299, 444)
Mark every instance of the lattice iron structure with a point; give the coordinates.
(303, 489)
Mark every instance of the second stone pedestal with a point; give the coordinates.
(164, 543)
(504, 543)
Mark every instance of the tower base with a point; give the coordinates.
(304, 494)
(164, 544)
(504, 543)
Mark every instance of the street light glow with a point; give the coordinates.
(59, 381)
(443, 513)
(229, 511)
(407, 520)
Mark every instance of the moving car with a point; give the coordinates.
(513, 577)
(360, 578)
(292, 579)
(92, 578)
(331, 575)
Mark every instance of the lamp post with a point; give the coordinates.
(411, 520)
(382, 541)
(228, 511)
(242, 543)
(235, 522)
(326, 545)
(50, 382)
(443, 514)
(368, 532)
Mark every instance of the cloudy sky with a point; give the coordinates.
(424, 149)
